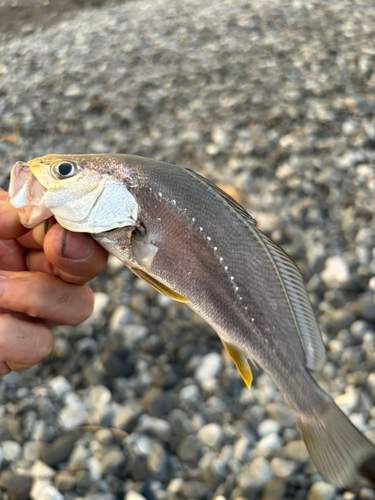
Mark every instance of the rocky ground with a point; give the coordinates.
(274, 101)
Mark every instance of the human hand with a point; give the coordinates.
(42, 281)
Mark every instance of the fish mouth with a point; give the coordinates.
(26, 194)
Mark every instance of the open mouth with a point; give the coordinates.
(26, 194)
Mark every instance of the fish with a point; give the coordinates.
(192, 242)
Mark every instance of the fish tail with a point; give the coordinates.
(337, 448)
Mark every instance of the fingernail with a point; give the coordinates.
(3, 283)
(76, 246)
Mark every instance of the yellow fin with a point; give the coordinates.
(241, 362)
(160, 287)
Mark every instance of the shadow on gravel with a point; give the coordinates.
(20, 16)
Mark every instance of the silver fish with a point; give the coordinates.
(193, 243)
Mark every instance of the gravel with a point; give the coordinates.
(274, 102)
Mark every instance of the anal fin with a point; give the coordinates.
(241, 362)
(160, 287)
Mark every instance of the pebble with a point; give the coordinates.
(11, 450)
(133, 495)
(210, 366)
(60, 386)
(211, 435)
(158, 402)
(58, 450)
(297, 450)
(336, 273)
(268, 445)
(254, 475)
(156, 427)
(17, 485)
(282, 468)
(112, 461)
(72, 415)
(321, 491)
(268, 426)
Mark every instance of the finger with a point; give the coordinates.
(12, 256)
(22, 343)
(10, 226)
(36, 260)
(4, 368)
(76, 255)
(46, 297)
(27, 241)
(40, 231)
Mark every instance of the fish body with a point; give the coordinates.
(192, 242)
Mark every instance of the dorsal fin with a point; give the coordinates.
(304, 318)
(224, 195)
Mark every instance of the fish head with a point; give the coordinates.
(85, 193)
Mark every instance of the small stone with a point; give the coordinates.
(268, 445)
(133, 495)
(112, 461)
(190, 393)
(40, 470)
(254, 475)
(17, 485)
(195, 489)
(117, 361)
(281, 413)
(158, 402)
(321, 491)
(211, 435)
(31, 451)
(274, 489)
(60, 386)
(347, 402)
(297, 450)
(157, 462)
(364, 307)
(64, 480)
(155, 427)
(46, 492)
(12, 451)
(120, 317)
(59, 450)
(282, 468)
(366, 494)
(336, 273)
(242, 447)
(126, 417)
(72, 415)
(268, 426)
(189, 449)
(210, 366)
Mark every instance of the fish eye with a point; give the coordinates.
(64, 169)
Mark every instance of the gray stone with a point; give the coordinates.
(254, 475)
(126, 417)
(60, 386)
(64, 481)
(364, 307)
(267, 427)
(72, 415)
(210, 366)
(59, 450)
(321, 491)
(195, 489)
(211, 435)
(11, 450)
(155, 427)
(297, 450)
(42, 490)
(268, 445)
(336, 273)
(120, 318)
(189, 449)
(158, 402)
(282, 468)
(157, 462)
(17, 485)
(112, 461)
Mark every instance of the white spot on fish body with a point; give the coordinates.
(215, 248)
(236, 288)
(201, 229)
(160, 194)
(221, 259)
(209, 238)
(193, 219)
(173, 202)
(232, 278)
(226, 268)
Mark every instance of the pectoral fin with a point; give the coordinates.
(241, 362)
(160, 287)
